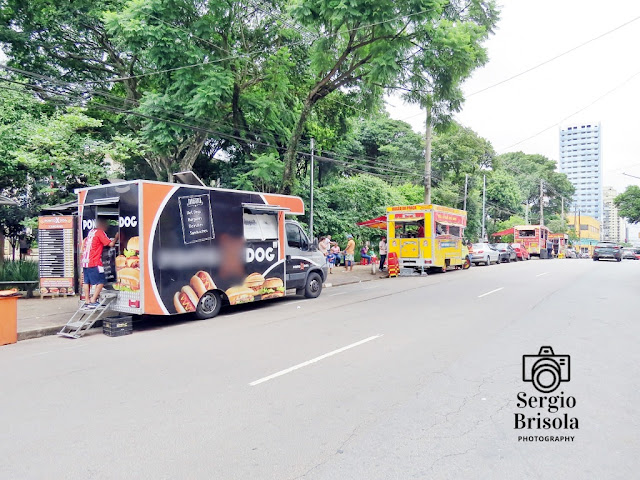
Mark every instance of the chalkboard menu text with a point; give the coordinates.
(195, 214)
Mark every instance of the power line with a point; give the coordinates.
(617, 87)
(545, 62)
(382, 168)
(363, 158)
(370, 163)
(549, 60)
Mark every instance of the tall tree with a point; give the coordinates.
(193, 77)
(530, 170)
(504, 197)
(369, 45)
(442, 61)
(381, 144)
(459, 151)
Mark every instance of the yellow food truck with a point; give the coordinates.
(428, 236)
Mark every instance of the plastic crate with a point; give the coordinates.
(117, 327)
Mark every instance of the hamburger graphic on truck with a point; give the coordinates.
(128, 267)
(188, 248)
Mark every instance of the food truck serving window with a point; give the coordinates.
(260, 226)
(526, 233)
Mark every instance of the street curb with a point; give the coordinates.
(39, 332)
(47, 331)
(359, 280)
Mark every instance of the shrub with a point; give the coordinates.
(19, 271)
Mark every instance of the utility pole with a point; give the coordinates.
(427, 157)
(541, 203)
(466, 183)
(311, 188)
(580, 230)
(484, 204)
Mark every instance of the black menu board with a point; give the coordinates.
(56, 255)
(195, 216)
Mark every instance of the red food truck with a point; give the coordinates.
(191, 248)
(532, 237)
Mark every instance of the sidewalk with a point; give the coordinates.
(360, 273)
(39, 317)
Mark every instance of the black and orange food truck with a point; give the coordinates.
(192, 248)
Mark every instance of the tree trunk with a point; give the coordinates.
(427, 156)
(193, 151)
(1, 248)
(290, 157)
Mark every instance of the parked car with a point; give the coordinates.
(608, 250)
(483, 253)
(631, 253)
(584, 255)
(570, 253)
(505, 252)
(521, 252)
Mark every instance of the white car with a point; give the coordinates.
(483, 253)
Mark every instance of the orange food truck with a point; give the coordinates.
(427, 236)
(531, 237)
(191, 248)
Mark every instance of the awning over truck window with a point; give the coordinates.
(378, 222)
(102, 202)
(262, 208)
(508, 231)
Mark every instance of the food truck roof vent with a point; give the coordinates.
(188, 178)
(108, 181)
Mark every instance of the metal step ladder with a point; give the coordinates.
(84, 318)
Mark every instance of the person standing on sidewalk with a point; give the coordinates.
(334, 256)
(24, 247)
(92, 268)
(349, 253)
(382, 246)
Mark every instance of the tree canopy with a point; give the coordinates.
(236, 91)
(628, 203)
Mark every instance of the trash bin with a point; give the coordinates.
(8, 319)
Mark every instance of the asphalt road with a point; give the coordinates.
(396, 379)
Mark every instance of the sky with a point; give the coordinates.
(532, 31)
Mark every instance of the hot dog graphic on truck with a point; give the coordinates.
(187, 248)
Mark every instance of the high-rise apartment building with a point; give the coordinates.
(614, 228)
(581, 160)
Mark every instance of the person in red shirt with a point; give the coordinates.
(92, 268)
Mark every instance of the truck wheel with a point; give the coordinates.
(314, 285)
(466, 264)
(209, 305)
